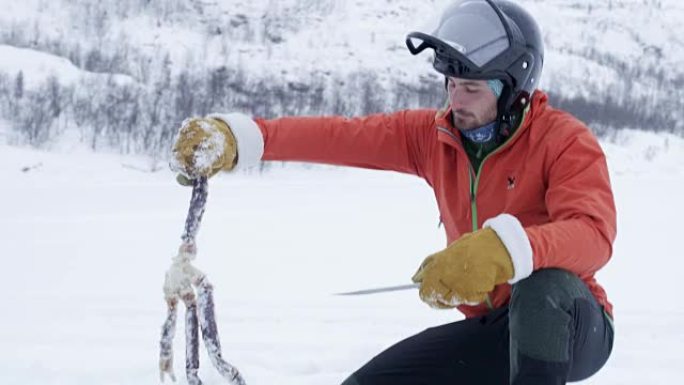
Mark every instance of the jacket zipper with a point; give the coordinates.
(473, 209)
(475, 181)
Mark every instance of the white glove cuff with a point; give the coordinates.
(250, 142)
(513, 236)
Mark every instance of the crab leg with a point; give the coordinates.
(191, 340)
(210, 335)
(196, 210)
(166, 343)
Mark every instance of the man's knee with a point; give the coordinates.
(540, 317)
(548, 288)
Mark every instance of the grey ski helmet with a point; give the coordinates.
(488, 39)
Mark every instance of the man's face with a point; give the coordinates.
(472, 101)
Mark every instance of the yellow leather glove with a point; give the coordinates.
(466, 271)
(203, 147)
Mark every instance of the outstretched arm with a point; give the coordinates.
(399, 141)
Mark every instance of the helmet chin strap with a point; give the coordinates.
(508, 113)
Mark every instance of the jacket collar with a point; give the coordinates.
(450, 135)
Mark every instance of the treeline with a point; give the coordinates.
(648, 96)
(134, 118)
(143, 119)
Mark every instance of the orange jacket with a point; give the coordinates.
(551, 175)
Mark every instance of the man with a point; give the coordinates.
(523, 192)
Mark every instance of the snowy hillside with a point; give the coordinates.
(297, 37)
(616, 63)
(86, 239)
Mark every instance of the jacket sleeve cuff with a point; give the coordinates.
(250, 141)
(513, 236)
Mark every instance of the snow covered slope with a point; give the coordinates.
(303, 35)
(86, 239)
(628, 51)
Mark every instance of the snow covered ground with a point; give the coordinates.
(86, 238)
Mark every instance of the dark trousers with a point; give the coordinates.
(552, 332)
